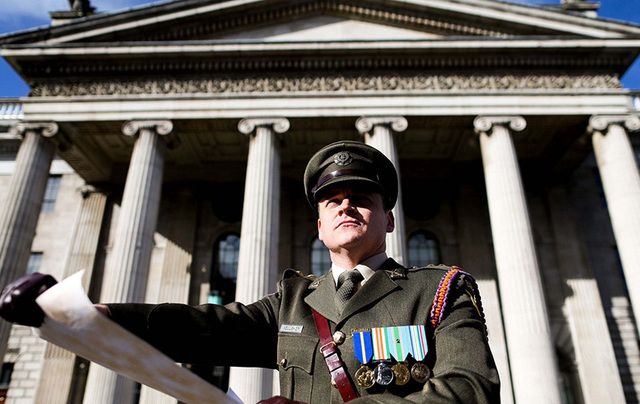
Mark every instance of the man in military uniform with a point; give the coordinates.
(369, 330)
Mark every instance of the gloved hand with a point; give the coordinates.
(18, 299)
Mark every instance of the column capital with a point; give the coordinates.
(484, 124)
(365, 124)
(601, 123)
(87, 190)
(46, 129)
(161, 127)
(247, 126)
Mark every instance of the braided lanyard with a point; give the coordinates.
(441, 298)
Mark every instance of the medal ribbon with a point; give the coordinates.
(381, 349)
(399, 342)
(405, 337)
(418, 342)
(362, 346)
(399, 347)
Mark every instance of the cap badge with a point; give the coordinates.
(342, 159)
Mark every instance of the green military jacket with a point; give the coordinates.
(253, 335)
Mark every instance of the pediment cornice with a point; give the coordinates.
(193, 60)
(361, 10)
(210, 19)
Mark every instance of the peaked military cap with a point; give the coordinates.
(350, 161)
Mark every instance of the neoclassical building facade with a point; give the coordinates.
(161, 149)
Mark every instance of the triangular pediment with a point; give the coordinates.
(328, 28)
(306, 20)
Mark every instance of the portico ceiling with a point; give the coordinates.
(214, 150)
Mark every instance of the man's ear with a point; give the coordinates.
(319, 232)
(391, 222)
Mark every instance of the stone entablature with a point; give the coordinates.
(328, 84)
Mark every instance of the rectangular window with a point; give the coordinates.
(51, 193)
(35, 259)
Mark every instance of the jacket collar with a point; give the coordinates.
(377, 287)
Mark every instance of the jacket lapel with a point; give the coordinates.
(377, 287)
(321, 299)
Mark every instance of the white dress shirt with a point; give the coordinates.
(367, 267)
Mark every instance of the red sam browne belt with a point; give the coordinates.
(339, 376)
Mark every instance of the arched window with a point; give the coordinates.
(225, 269)
(320, 259)
(228, 251)
(423, 248)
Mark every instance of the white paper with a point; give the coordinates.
(73, 323)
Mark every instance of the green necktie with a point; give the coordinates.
(347, 286)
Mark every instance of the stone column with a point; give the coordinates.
(126, 275)
(534, 371)
(583, 308)
(259, 235)
(621, 183)
(20, 208)
(58, 364)
(378, 132)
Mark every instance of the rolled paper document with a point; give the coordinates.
(73, 323)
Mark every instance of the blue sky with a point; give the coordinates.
(18, 15)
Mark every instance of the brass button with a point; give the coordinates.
(339, 337)
(283, 362)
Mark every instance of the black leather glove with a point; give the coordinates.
(18, 299)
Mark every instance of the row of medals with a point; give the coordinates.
(386, 373)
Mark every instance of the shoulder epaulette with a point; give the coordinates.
(292, 273)
(428, 267)
(441, 298)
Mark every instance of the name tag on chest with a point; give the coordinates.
(294, 329)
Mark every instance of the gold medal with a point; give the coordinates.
(365, 377)
(420, 372)
(401, 373)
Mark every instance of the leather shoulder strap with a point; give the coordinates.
(339, 376)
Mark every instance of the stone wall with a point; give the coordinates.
(25, 349)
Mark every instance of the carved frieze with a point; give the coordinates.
(326, 84)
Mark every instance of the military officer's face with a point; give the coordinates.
(353, 219)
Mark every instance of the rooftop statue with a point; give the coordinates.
(81, 6)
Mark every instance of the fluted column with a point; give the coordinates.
(621, 183)
(259, 235)
(378, 132)
(58, 364)
(531, 353)
(126, 275)
(20, 207)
